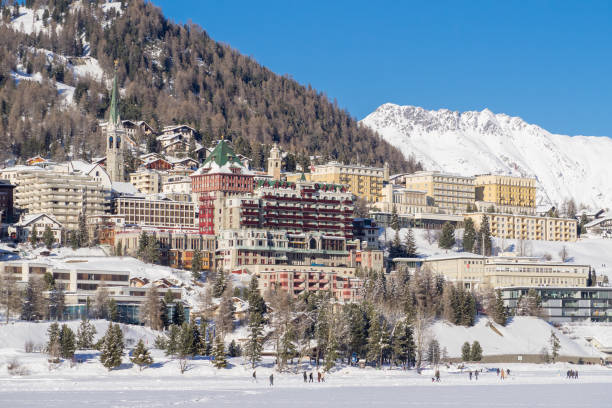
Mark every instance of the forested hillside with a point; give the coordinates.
(170, 73)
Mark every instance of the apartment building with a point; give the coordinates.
(405, 201)
(506, 193)
(63, 195)
(156, 212)
(451, 193)
(528, 227)
(478, 272)
(6, 201)
(244, 249)
(566, 304)
(340, 282)
(363, 181)
(147, 181)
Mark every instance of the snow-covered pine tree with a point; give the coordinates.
(410, 248)
(141, 356)
(403, 344)
(173, 340)
(112, 347)
(476, 352)
(466, 352)
(394, 219)
(67, 342)
(234, 349)
(254, 344)
(396, 250)
(469, 235)
(85, 335)
(555, 346)
(220, 360)
(113, 310)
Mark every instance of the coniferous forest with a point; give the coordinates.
(170, 73)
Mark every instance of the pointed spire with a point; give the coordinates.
(113, 117)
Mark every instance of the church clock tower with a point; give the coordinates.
(115, 138)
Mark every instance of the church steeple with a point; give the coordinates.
(114, 137)
(113, 117)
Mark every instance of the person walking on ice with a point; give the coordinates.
(271, 380)
(305, 377)
(254, 376)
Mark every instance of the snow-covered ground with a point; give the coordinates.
(89, 384)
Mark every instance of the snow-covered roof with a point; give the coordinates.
(598, 221)
(30, 218)
(124, 188)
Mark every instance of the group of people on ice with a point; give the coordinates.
(309, 377)
(503, 374)
(572, 374)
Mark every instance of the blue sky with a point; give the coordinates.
(549, 62)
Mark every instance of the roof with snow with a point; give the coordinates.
(222, 160)
(121, 187)
(30, 218)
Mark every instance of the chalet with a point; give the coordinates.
(38, 222)
(186, 131)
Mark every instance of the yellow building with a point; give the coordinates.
(363, 181)
(478, 272)
(451, 193)
(147, 181)
(528, 227)
(506, 191)
(404, 200)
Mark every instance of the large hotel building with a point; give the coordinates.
(451, 193)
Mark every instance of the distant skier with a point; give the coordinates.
(271, 380)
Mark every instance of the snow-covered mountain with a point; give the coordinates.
(483, 142)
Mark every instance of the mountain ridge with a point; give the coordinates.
(477, 142)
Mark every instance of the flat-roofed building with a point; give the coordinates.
(479, 272)
(363, 181)
(506, 191)
(528, 227)
(451, 193)
(154, 212)
(405, 201)
(65, 196)
(147, 181)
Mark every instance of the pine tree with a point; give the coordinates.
(555, 345)
(220, 284)
(403, 344)
(394, 219)
(500, 315)
(141, 356)
(466, 352)
(256, 301)
(152, 251)
(178, 315)
(396, 249)
(82, 235)
(254, 344)
(447, 238)
(10, 295)
(113, 310)
(220, 360)
(173, 340)
(186, 341)
(224, 320)
(31, 301)
(433, 352)
(410, 247)
(118, 249)
(196, 265)
(34, 236)
(48, 237)
(112, 347)
(143, 241)
(476, 352)
(484, 237)
(85, 335)
(53, 342)
(67, 342)
(469, 235)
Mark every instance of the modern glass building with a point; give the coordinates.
(567, 304)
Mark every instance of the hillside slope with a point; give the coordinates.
(482, 142)
(169, 73)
